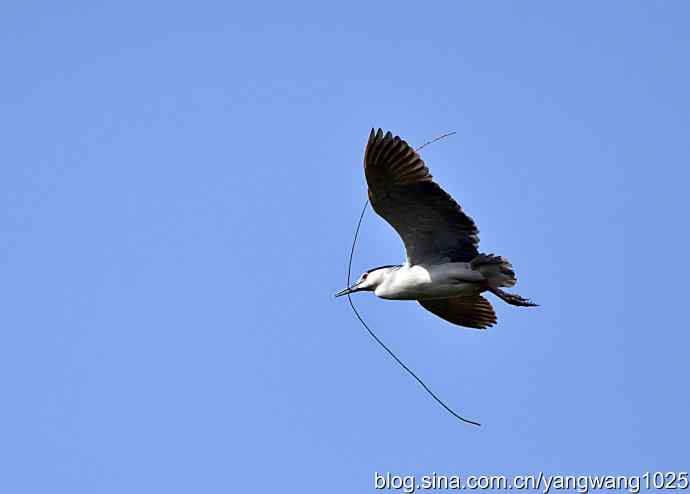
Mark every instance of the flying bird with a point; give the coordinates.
(444, 270)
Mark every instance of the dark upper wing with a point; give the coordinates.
(431, 224)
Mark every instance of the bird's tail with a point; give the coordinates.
(496, 270)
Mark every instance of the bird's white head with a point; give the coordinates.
(369, 280)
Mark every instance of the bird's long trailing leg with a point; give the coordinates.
(511, 298)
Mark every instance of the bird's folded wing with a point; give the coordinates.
(431, 224)
(471, 312)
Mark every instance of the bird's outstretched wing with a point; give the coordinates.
(471, 312)
(431, 224)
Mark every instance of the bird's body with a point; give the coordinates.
(421, 282)
(444, 271)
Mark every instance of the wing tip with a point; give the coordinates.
(378, 133)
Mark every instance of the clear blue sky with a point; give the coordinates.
(179, 185)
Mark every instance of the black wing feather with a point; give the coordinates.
(432, 225)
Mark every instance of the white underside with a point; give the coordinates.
(428, 282)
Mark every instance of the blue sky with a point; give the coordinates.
(178, 191)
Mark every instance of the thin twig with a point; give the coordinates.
(435, 140)
(376, 338)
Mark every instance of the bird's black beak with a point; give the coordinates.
(347, 291)
(343, 292)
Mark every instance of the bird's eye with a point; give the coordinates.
(364, 276)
